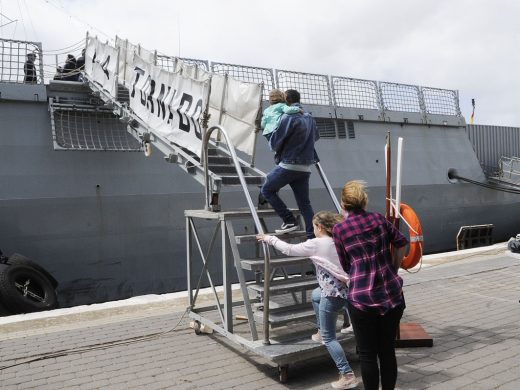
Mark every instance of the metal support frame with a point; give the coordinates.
(242, 280)
(251, 206)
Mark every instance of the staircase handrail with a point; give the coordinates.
(328, 187)
(252, 208)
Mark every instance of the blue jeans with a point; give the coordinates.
(299, 182)
(327, 310)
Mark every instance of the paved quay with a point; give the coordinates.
(468, 301)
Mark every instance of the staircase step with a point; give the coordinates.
(234, 180)
(224, 168)
(258, 264)
(123, 95)
(219, 160)
(241, 239)
(284, 315)
(287, 285)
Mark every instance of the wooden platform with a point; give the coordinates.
(413, 335)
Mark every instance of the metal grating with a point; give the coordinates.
(313, 88)
(441, 101)
(248, 74)
(13, 55)
(350, 129)
(355, 93)
(170, 63)
(509, 169)
(90, 129)
(342, 132)
(326, 127)
(400, 97)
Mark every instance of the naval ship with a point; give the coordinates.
(82, 195)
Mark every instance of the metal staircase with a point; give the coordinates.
(220, 166)
(275, 290)
(277, 295)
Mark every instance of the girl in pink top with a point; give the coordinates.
(330, 298)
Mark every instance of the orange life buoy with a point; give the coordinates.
(416, 237)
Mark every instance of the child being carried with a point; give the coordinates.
(273, 114)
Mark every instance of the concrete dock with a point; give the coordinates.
(468, 301)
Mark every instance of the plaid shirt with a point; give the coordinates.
(363, 243)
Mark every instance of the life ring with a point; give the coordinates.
(416, 237)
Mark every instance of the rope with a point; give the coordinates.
(420, 262)
(79, 43)
(487, 185)
(97, 346)
(392, 201)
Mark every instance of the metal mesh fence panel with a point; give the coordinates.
(313, 88)
(400, 97)
(248, 74)
(170, 63)
(98, 130)
(355, 93)
(441, 101)
(15, 56)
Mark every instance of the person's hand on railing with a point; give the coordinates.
(263, 237)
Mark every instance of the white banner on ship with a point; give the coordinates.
(126, 57)
(235, 106)
(169, 103)
(101, 64)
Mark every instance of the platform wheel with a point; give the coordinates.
(197, 327)
(283, 373)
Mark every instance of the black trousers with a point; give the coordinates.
(375, 338)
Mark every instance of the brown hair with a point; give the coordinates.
(276, 96)
(327, 220)
(354, 196)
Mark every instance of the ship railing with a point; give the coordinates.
(339, 97)
(13, 56)
(248, 74)
(171, 64)
(325, 96)
(509, 169)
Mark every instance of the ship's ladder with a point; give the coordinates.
(274, 289)
(219, 169)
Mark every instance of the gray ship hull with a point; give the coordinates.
(110, 225)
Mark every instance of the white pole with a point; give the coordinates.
(398, 177)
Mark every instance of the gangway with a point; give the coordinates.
(275, 290)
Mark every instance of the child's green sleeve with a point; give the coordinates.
(291, 109)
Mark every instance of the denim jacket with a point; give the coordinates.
(293, 141)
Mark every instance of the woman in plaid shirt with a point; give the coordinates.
(375, 296)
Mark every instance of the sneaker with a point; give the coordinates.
(317, 337)
(346, 329)
(286, 228)
(345, 381)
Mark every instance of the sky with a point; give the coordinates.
(472, 46)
